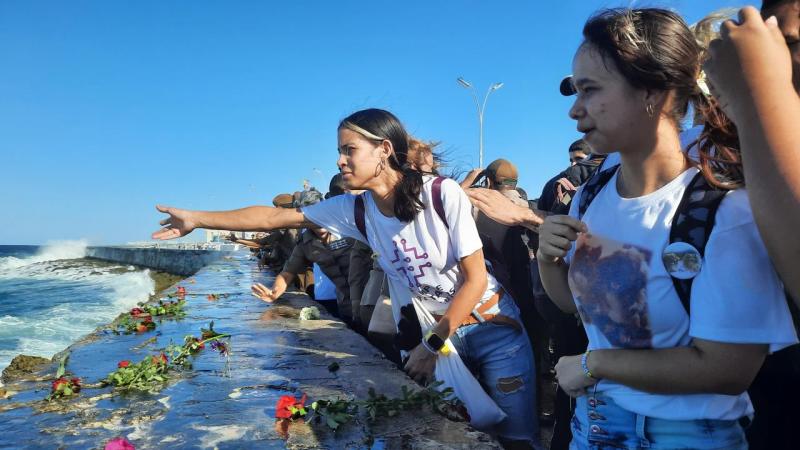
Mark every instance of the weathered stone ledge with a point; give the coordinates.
(274, 353)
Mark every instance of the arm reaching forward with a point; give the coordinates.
(253, 218)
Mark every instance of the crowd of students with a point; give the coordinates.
(675, 249)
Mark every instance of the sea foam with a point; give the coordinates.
(84, 295)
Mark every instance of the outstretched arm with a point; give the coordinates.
(501, 209)
(254, 218)
(751, 74)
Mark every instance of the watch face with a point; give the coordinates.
(435, 342)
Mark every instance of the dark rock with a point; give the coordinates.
(22, 367)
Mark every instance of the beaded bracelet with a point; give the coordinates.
(585, 365)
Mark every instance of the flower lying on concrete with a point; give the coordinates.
(153, 371)
(288, 407)
(119, 443)
(64, 386)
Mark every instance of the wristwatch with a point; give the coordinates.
(436, 343)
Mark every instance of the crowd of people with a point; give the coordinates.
(657, 270)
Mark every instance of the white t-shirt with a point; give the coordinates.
(687, 137)
(324, 289)
(420, 257)
(627, 299)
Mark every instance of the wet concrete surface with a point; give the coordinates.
(226, 406)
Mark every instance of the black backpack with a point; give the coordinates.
(774, 391)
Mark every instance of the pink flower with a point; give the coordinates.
(119, 443)
(123, 364)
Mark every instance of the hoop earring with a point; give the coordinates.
(380, 167)
(650, 110)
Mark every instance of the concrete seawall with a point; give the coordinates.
(227, 404)
(184, 262)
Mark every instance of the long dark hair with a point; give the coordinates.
(654, 49)
(379, 125)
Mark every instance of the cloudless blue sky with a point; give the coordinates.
(107, 108)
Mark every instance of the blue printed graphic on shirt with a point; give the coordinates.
(609, 282)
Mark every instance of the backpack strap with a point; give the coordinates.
(436, 194)
(692, 223)
(593, 186)
(359, 213)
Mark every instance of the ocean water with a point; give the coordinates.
(52, 295)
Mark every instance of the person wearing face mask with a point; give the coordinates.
(427, 243)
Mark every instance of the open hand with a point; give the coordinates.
(556, 236)
(501, 209)
(421, 364)
(179, 223)
(263, 292)
(748, 57)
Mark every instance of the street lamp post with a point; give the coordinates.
(481, 108)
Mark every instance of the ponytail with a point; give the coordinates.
(407, 202)
(718, 144)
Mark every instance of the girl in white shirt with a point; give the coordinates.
(654, 376)
(429, 247)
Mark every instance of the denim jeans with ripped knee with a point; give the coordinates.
(501, 359)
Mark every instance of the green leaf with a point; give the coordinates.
(332, 424)
(62, 367)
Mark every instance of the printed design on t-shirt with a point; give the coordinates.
(609, 282)
(413, 264)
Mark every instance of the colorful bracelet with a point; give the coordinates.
(585, 365)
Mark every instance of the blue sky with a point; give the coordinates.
(107, 108)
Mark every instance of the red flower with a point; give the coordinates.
(160, 359)
(148, 319)
(59, 382)
(76, 381)
(123, 364)
(181, 290)
(283, 409)
(137, 311)
(119, 443)
(141, 328)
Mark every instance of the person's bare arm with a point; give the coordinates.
(254, 218)
(704, 367)
(750, 70)
(501, 209)
(469, 180)
(421, 363)
(248, 243)
(269, 295)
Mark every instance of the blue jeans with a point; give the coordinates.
(501, 359)
(599, 423)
